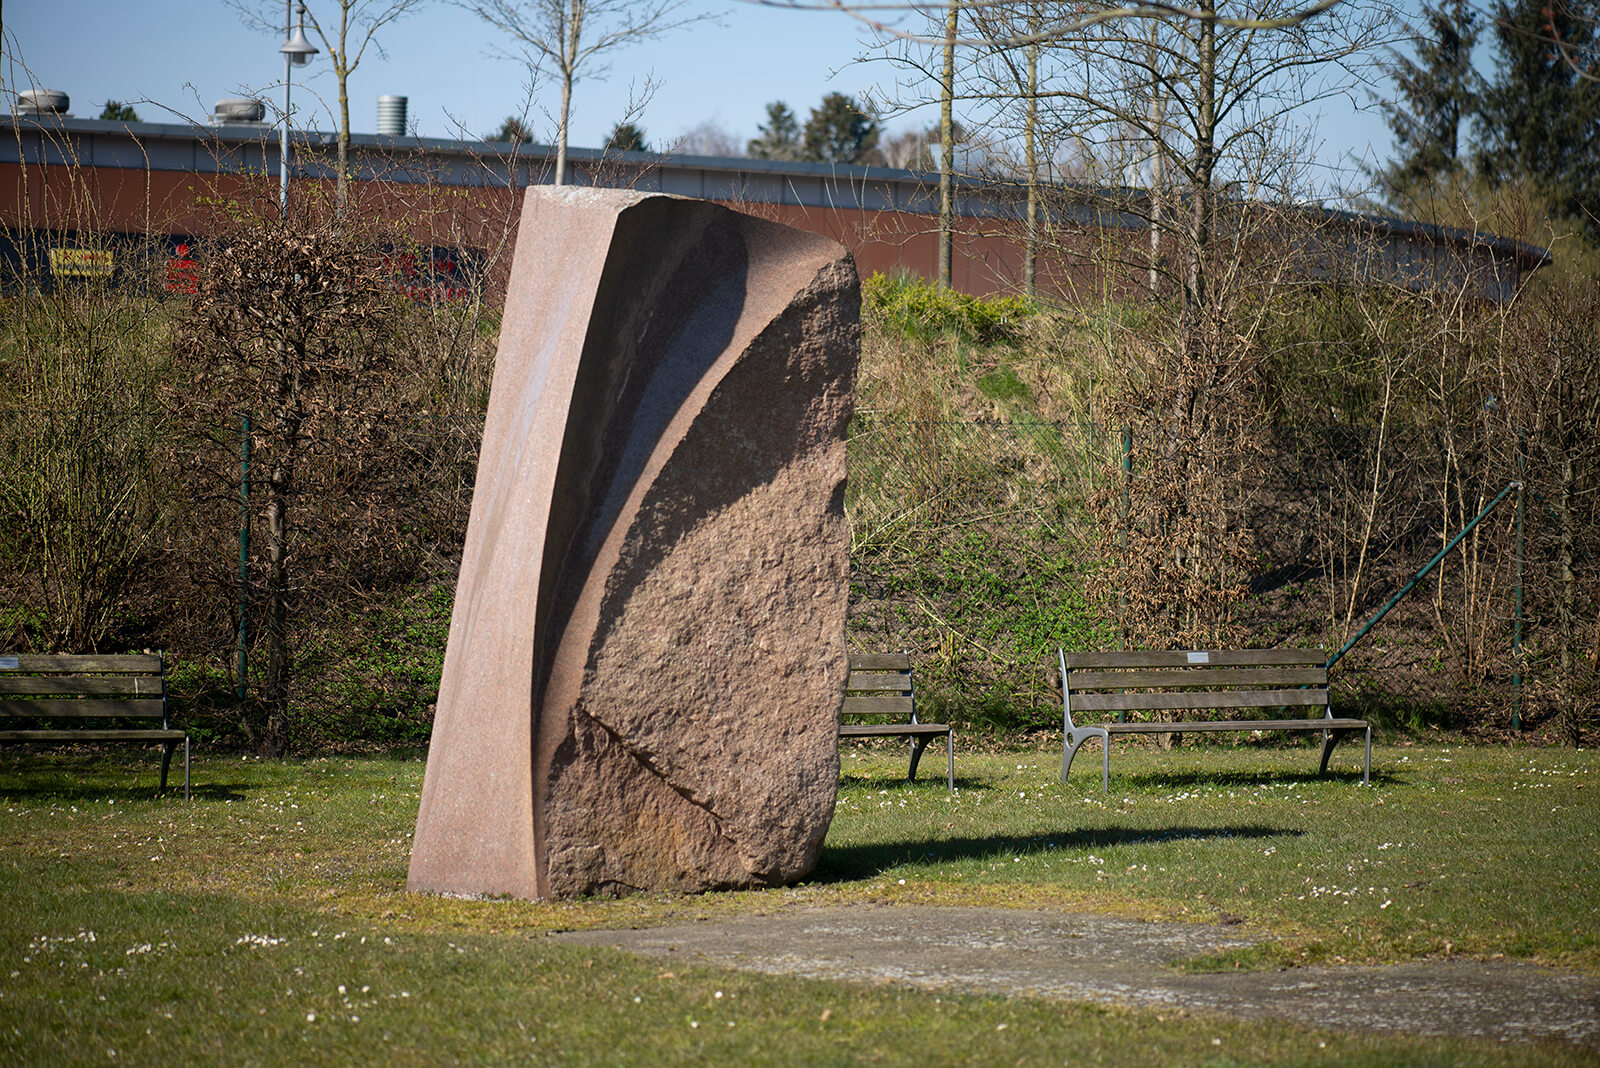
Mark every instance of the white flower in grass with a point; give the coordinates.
(259, 940)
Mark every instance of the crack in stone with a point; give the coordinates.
(718, 822)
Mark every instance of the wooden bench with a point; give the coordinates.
(1164, 681)
(880, 685)
(66, 688)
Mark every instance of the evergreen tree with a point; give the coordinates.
(117, 111)
(1436, 92)
(1540, 116)
(780, 137)
(626, 137)
(838, 131)
(513, 129)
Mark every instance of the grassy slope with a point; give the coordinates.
(265, 921)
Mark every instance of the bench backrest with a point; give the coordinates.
(880, 685)
(50, 686)
(1180, 679)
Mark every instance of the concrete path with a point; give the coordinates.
(1080, 957)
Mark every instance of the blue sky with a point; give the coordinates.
(175, 58)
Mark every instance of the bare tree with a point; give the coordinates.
(1012, 74)
(567, 34)
(707, 138)
(346, 29)
(947, 142)
(1186, 118)
(1550, 383)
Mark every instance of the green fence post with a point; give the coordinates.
(1521, 562)
(1127, 510)
(239, 685)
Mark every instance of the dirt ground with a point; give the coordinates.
(1081, 957)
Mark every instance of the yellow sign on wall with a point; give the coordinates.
(81, 262)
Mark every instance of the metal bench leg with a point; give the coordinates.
(1074, 741)
(166, 762)
(917, 746)
(186, 767)
(1331, 739)
(950, 760)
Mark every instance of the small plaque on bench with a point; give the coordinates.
(9, 663)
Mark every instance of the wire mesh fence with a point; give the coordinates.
(977, 547)
(972, 546)
(199, 535)
(980, 547)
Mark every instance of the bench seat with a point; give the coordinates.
(1198, 680)
(1195, 725)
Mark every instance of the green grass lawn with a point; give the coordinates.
(265, 922)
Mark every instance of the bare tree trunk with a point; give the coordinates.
(1030, 253)
(1566, 603)
(1197, 295)
(342, 186)
(569, 42)
(275, 689)
(280, 485)
(1158, 111)
(947, 144)
(561, 130)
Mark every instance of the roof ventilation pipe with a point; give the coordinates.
(43, 102)
(392, 116)
(238, 111)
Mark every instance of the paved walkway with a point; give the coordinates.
(1080, 957)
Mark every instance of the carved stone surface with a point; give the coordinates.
(646, 657)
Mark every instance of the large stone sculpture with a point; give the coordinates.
(646, 658)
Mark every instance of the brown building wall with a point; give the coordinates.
(102, 178)
(987, 260)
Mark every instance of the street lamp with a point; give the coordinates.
(297, 52)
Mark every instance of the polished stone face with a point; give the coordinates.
(646, 658)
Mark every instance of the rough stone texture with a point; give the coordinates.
(646, 658)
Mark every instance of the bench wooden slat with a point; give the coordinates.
(61, 685)
(1125, 702)
(1170, 677)
(868, 730)
(74, 663)
(865, 680)
(92, 736)
(880, 662)
(876, 706)
(1185, 658)
(1191, 726)
(87, 708)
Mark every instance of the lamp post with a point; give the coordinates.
(297, 52)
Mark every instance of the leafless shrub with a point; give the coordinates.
(288, 325)
(1547, 429)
